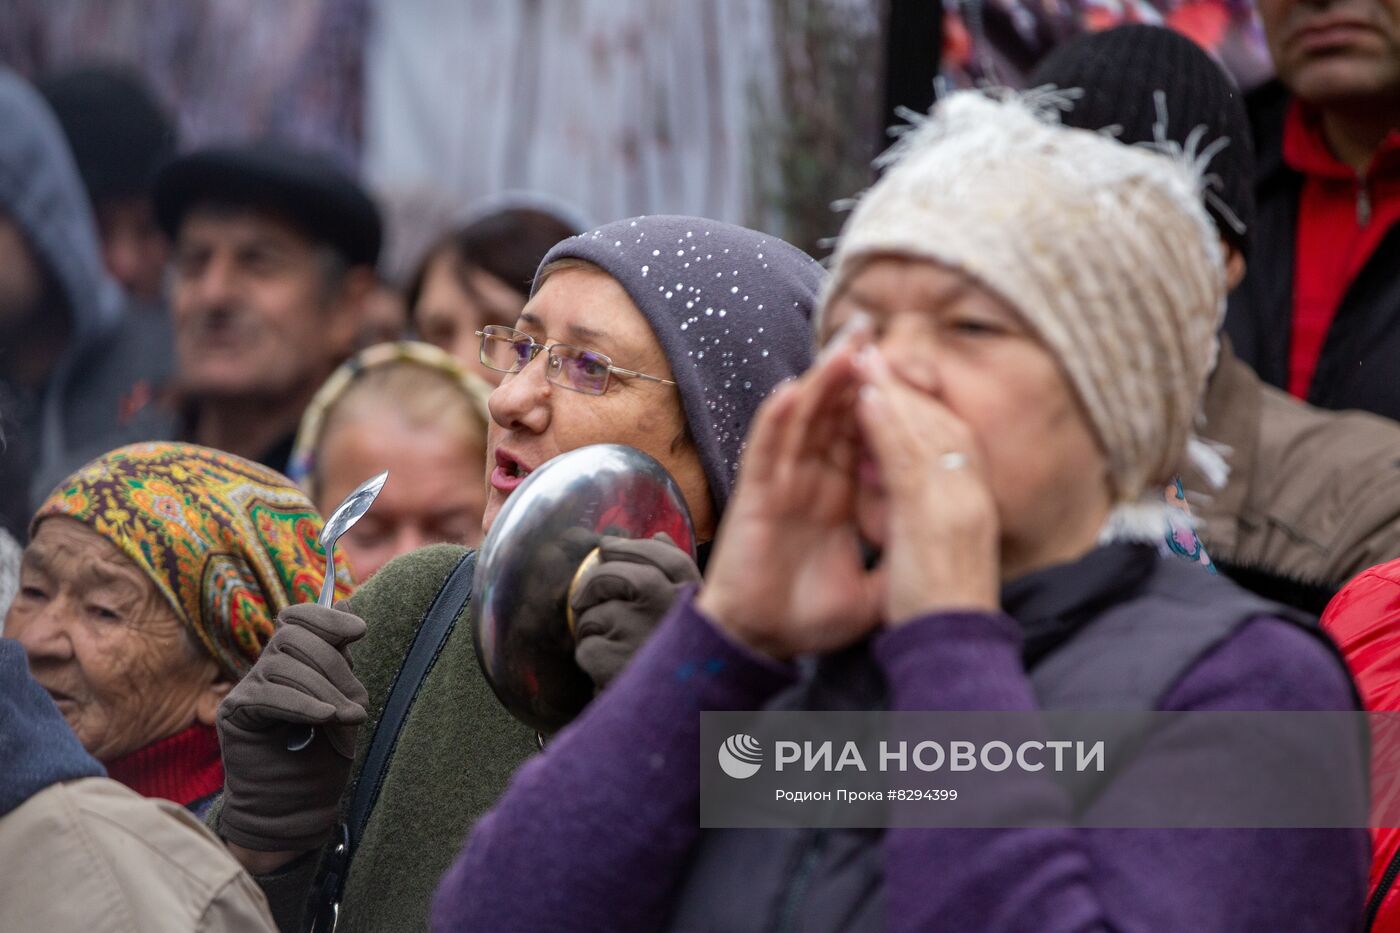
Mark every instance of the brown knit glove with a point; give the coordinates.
(620, 600)
(277, 800)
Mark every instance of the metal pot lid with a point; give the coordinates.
(546, 529)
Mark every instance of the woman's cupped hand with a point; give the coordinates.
(788, 575)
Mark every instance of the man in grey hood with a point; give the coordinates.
(78, 374)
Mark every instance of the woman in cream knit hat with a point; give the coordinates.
(1024, 317)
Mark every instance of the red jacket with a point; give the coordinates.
(1355, 368)
(1364, 619)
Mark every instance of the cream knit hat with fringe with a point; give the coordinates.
(1104, 249)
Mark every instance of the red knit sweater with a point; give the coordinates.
(184, 767)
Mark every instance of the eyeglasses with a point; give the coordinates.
(508, 350)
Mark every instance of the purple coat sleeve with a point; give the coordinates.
(611, 809)
(1048, 880)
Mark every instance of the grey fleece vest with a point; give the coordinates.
(1126, 659)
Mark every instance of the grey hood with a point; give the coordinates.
(41, 191)
(100, 394)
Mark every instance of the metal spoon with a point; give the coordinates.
(346, 514)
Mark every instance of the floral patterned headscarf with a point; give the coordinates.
(228, 543)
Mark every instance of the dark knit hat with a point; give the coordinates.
(1121, 72)
(731, 308)
(310, 189)
(118, 132)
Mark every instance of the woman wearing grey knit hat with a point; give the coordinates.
(1019, 323)
(662, 333)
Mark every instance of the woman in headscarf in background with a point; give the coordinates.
(412, 409)
(150, 584)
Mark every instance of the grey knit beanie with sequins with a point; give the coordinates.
(731, 308)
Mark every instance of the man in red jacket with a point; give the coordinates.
(1317, 313)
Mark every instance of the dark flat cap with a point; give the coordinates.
(309, 189)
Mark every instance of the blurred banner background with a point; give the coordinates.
(753, 111)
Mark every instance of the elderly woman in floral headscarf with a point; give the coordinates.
(149, 587)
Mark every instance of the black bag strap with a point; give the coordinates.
(428, 643)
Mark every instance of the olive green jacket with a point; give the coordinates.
(457, 751)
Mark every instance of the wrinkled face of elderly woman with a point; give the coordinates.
(106, 645)
(946, 336)
(534, 419)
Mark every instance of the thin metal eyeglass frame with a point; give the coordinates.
(536, 348)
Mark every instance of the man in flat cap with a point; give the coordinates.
(273, 259)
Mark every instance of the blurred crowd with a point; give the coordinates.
(1093, 405)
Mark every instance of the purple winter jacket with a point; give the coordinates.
(597, 832)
